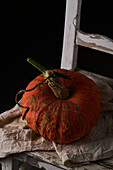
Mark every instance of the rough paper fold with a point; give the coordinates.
(16, 136)
(97, 145)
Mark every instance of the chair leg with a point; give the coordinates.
(7, 163)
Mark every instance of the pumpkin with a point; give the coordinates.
(62, 120)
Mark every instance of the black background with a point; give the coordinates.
(35, 29)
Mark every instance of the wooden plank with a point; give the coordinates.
(48, 160)
(95, 41)
(72, 20)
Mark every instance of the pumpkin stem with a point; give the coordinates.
(37, 65)
(54, 83)
(43, 69)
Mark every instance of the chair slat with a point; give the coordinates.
(95, 41)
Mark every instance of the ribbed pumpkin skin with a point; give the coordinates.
(63, 121)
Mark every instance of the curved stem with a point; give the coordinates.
(22, 91)
(54, 83)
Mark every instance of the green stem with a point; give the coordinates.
(54, 83)
(58, 74)
(43, 69)
(37, 65)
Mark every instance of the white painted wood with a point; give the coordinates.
(73, 37)
(72, 19)
(50, 161)
(48, 166)
(46, 159)
(95, 41)
(7, 164)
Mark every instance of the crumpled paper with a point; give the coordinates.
(16, 136)
(97, 145)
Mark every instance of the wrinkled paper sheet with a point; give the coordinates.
(16, 136)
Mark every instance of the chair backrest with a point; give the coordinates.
(73, 37)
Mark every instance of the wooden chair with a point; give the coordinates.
(73, 37)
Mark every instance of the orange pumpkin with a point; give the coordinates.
(62, 120)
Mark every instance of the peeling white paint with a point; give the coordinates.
(74, 37)
(95, 41)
